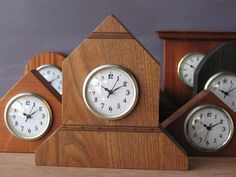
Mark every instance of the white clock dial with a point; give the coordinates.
(53, 75)
(187, 67)
(223, 85)
(208, 128)
(110, 92)
(28, 116)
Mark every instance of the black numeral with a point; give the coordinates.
(110, 108)
(125, 100)
(29, 130)
(16, 123)
(125, 83)
(95, 99)
(43, 116)
(102, 105)
(40, 108)
(118, 106)
(27, 103)
(22, 128)
(128, 92)
(209, 114)
(110, 76)
(36, 128)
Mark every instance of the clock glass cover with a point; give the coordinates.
(110, 92)
(28, 116)
(187, 67)
(208, 128)
(223, 85)
(53, 75)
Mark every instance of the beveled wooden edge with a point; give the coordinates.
(184, 108)
(34, 63)
(47, 85)
(197, 35)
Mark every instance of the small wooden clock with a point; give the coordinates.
(31, 110)
(214, 68)
(183, 51)
(111, 107)
(204, 126)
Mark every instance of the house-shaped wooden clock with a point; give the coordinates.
(204, 126)
(111, 107)
(183, 51)
(31, 110)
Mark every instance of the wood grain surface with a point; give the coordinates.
(176, 45)
(133, 142)
(111, 149)
(220, 59)
(23, 165)
(175, 124)
(111, 43)
(34, 83)
(44, 58)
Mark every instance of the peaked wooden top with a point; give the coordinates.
(111, 24)
(111, 43)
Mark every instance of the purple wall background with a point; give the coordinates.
(28, 27)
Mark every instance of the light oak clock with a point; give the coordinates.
(30, 111)
(183, 51)
(204, 126)
(111, 107)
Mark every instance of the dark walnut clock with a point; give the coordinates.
(183, 51)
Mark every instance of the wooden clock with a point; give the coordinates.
(183, 51)
(111, 107)
(204, 126)
(30, 112)
(218, 65)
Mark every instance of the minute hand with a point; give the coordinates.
(118, 88)
(232, 89)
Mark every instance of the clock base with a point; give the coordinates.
(112, 147)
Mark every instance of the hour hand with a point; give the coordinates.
(105, 89)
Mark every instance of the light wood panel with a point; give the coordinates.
(44, 58)
(35, 83)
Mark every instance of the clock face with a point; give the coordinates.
(208, 128)
(187, 67)
(28, 116)
(223, 85)
(53, 75)
(110, 92)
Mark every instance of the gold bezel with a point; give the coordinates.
(123, 70)
(186, 123)
(180, 64)
(212, 78)
(12, 100)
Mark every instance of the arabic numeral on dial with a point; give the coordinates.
(102, 105)
(216, 116)
(43, 116)
(36, 128)
(221, 136)
(93, 92)
(14, 116)
(95, 99)
(41, 123)
(16, 123)
(125, 100)
(223, 129)
(110, 76)
(22, 128)
(118, 106)
(40, 108)
(218, 83)
(207, 143)
(225, 81)
(125, 83)
(193, 127)
(48, 71)
(215, 140)
(221, 121)
(27, 103)
(102, 78)
(195, 135)
(200, 139)
(128, 92)
(110, 108)
(29, 130)
(209, 114)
